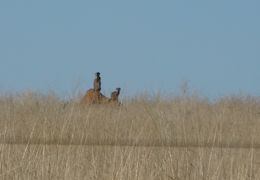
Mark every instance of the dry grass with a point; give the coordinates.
(148, 138)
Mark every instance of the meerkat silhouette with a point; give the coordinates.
(97, 82)
(93, 96)
(115, 95)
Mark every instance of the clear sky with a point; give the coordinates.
(139, 45)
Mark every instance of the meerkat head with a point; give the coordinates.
(97, 74)
(118, 90)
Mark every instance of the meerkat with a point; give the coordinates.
(115, 95)
(97, 82)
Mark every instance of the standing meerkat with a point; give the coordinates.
(94, 96)
(97, 82)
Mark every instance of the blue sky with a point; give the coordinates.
(139, 45)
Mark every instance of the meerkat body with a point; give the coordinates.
(97, 82)
(114, 95)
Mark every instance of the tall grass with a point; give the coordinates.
(185, 137)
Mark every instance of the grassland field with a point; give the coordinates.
(176, 138)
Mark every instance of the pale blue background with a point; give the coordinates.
(139, 45)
